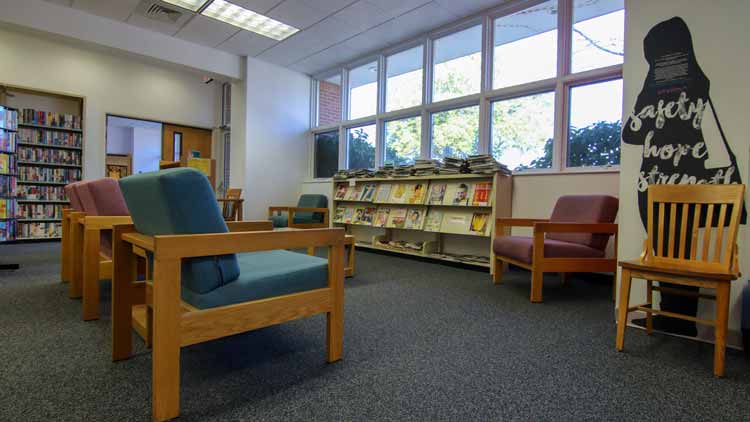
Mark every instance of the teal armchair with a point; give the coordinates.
(311, 212)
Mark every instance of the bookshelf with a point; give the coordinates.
(440, 217)
(8, 175)
(49, 155)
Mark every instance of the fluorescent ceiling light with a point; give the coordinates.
(193, 5)
(247, 19)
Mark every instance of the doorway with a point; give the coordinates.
(134, 146)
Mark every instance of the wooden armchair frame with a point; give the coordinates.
(293, 210)
(541, 264)
(66, 274)
(88, 264)
(175, 324)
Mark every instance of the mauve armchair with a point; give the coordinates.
(573, 239)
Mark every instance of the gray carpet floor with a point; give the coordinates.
(422, 341)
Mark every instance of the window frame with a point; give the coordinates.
(560, 85)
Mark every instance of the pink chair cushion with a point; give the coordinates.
(70, 192)
(521, 249)
(584, 209)
(83, 192)
(107, 197)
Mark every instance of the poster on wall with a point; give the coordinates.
(676, 121)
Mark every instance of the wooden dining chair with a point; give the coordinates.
(231, 208)
(674, 252)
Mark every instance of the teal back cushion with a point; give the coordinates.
(310, 201)
(180, 201)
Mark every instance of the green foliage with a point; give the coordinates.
(326, 154)
(361, 152)
(595, 145)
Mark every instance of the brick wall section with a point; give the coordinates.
(329, 103)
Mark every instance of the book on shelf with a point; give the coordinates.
(457, 194)
(417, 193)
(456, 222)
(7, 231)
(383, 193)
(368, 215)
(348, 215)
(434, 220)
(397, 218)
(49, 137)
(479, 223)
(8, 118)
(6, 208)
(338, 215)
(50, 156)
(437, 193)
(368, 192)
(398, 194)
(7, 163)
(381, 217)
(39, 230)
(8, 141)
(7, 185)
(41, 193)
(341, 189)
(415, 219)
(481, 196)
(354, 193)
(51, 119)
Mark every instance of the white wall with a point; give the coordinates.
(720, 39)
(277, 114)
(119, 140)
(146, 149)
(110, 84)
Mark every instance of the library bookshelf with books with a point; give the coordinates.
(442, 217)
(8, 175)
(49, 155)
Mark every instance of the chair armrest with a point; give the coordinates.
(209, 244)
(604, 228)
(249, 226)
(294, 210)
(239, 200)
(104, 222)
(519, 222)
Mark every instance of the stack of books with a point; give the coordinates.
(453, 165)
(403, 170)
(385, 171)
(353, 174)
(427, 167)
(485, 164)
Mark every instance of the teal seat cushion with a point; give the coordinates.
(281, 220)
(310, 201)
(264, 275)
(181, 201)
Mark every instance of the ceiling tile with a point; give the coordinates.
(362, 15)
(395, 8)
(297, 13)
(159, 26)
(246, 43)
(422, 19)
(206, 31)
(329, 6)
(326, 59)
(318, 37)
(260, 6)
(61, 2)
(467, 7)
(113, 9)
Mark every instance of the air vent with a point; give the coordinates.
(158, 12)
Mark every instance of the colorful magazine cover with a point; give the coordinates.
(479, 223)
(381, 217)
(461, 195)
(397, 218)
(434, 221)
(341, 191)
(338, 217)
(348, 215)
(368, 215)
(359, 213)
(437, 192)
(414, 218)
(384, 192)
(398, 195)
(482, 194)
(369, 192)
(417, 193)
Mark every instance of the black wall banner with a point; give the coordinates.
(672, 114)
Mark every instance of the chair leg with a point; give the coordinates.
(722, 314)
(123, 274)
(90, 308)
(165, 373)
(536, 285)
(349, 269)
(76, 259)
(497, 276)
(311, 250)
(335, 318)
(564, 279)
(650, 301)
(622, 310)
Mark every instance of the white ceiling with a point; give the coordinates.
(332, 32)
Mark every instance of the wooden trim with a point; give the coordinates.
(65, 264)
(249, 226)
(104, 222)
(209, 324)
(76, 253)
(577, 264)
(123, 296)
(680, 292)
(165, 378)
(141, 240)
(607, 228)
(519, 222)
(647, 308)
(188, 246)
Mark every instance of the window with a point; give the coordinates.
(598, 33)
(595, 125)
(329, 100)
(363, 91)
(455, 133)
(361, 147)
(523, 131)
(403, 82)
(525, 46)
(457, 64)
(326, 153)
(403, 139)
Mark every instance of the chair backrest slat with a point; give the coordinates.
(683, 230)
(694, 207)
(672, 225)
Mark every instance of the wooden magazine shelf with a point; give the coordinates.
(425, 213)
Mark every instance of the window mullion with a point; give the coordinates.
(564, 32)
